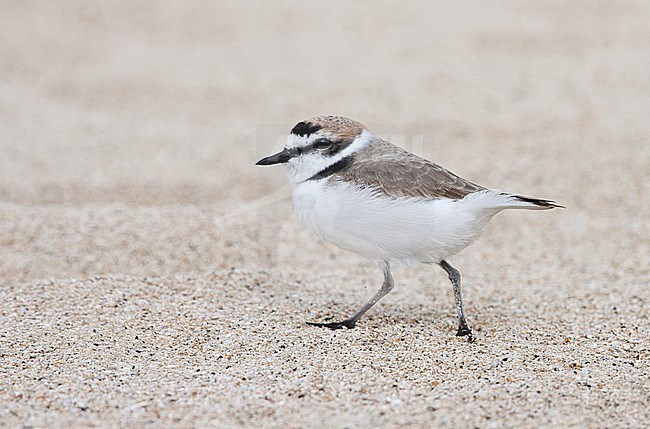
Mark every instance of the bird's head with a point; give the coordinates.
(317, 143)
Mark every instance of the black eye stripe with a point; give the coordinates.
(321, 143)
(325, 146)
(334, 148)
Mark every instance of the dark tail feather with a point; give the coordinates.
(549, 204)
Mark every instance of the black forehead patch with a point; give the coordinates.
(305, 129)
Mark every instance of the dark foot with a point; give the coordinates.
(464, 331)
(334, 325)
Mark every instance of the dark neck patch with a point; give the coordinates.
(334, 168)
(305, 129)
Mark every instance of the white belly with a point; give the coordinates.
(398, 230)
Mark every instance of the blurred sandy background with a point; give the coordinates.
(151, 276)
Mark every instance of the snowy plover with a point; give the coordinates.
(366, 195)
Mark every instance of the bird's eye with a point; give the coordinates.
(322, 144)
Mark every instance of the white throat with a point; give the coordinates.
(305, 166)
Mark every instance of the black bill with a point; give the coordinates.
(278, 158)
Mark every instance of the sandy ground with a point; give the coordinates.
(151, 276)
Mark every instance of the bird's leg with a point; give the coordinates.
(454, 277)
(349, 323)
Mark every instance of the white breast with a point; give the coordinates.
(402, 230)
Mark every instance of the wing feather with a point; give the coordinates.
(398, 173)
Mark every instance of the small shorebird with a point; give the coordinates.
(366, 195)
